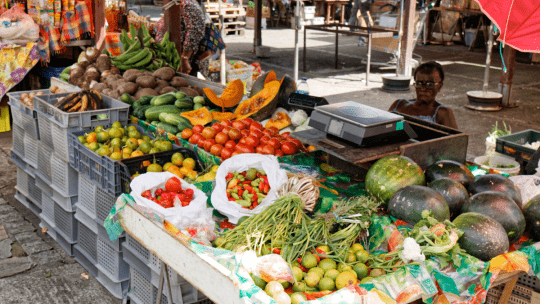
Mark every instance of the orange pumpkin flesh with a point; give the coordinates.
(280, 120)
(198, 117)
(223, 116)
(261, 105)
(230, 97)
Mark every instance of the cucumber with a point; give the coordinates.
(179, 95)
(155, 122)
(184, 104)
(153, 112)
(197, 106)
(163, 100)
(136, 105)
(198, 99)
(167, 127)
(145, 100)
(140, 111)
(126, 98)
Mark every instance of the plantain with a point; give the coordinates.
(84, 103)
(73, 102)
(75, 108)
(66, 99)
(98, 99)
(93, 104)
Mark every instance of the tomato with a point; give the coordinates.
(201, 142)
(216, 150)
(285, 134)
(221, 138)
(230, 144)
(226, 130)
(245, 133)
(242, 140)
(256, 126)
(264, 140)
(298, 143)
(186, 134)
(198, 128)
(243, 148)
(289, 148)
(194, 139)
(239, 146)
(217, 126)
(278, 153)
(235, 153)
(209, 133)
(259, 149)
(238, 125)
(208, 144)
(252, 141)
(226, 123)
(235, 134)
(256, 133)
(274, 142)
(269, 150)
(247, 122)
(226, 153)
(274, 131)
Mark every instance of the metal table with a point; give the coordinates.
(365, 32)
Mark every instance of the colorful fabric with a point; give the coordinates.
(70, 27)
(192, 28)
(54, 40)
(113, 44)
(16, 61)
(212, 40)
(43, 44)
(86, 24)
(4, 119)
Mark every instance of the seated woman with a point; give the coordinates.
(428, 79)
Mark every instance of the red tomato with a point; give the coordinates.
(247, 122)
(268, 133)
(239, 147)
(208, 144)
(235, 153)
(230, 144)
(274, 142)
(235, 134)
(298, 143)
(186, 134)
(238, 125)
(245, 133)
(221, 138)
(269, 150)
(226, 153)
(259, 149)
(274, 131)
(264, 140)
(217, 126)
(216, 150)
(198, 128)
(278, 153)
(285, 134)
(201, 142)
(209, 132)
(226, 123)
(256, 133)
(256, 126)
(289, 148)
(226, 130)
(252, 141)
(194, 139)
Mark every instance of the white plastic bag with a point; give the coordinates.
(177, 216)
(16, 27)
(240, 163)
(528, 185)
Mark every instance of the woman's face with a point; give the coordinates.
(423, 94)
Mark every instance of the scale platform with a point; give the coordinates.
(360, 124)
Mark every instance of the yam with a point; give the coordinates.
(166, 90)
(116, 84)
(132, 74)
(147, 73)
(115, 70)
(92, 74)
(165, 73)
(145, 92)
(199, 90)
(160, 84)
(115, 94)
(179, 82)
(128, 87)
(92, 54)
(84, 63)
(76, 73)
(189, 91)
(103, 63)
(104, 75)
(100, 87)
(107, 92)
(146, 81)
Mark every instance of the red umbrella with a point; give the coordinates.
(518, 21)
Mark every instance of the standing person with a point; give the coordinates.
(192, 31)
(428, 79)
(363, 6)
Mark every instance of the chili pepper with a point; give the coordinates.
(304, 269)
(247, 182)
(240, 192)
(261, 186)
(266, 188)
(276, 250)
(299, 260)
(319, 251)
(254, 205)
(232, 183)
(226, 224)
(189, 192)
(229, 176)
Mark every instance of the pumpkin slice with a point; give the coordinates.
(286, 88)
(261, 105)
(280, 120)
(230, 97)
(223, 116)
(198, 117)
(261, 81)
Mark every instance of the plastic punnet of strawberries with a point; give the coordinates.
(172, 196)
(247, 188)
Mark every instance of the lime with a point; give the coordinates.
(324, 248)
(135, 134)
(353, 272)
(377, 273)
(362, 256)
(273, 287)
(258, 281)
(332, 274)
(298, 297)
(115, 133)
(361, 270)
(366, 279)
(312, 279)
(345, 279)
(326, 284)
(299, 287)
(309, 260)
(131, 128)
(355, 247)
(351, 258)
(327, 264)
(177, 158)
(342, 267)
(102, 137)
(297, 273)
(117, 124)
(317, 270)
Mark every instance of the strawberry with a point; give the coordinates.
(158, 192)
(173, 185)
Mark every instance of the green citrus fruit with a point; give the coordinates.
(102, 137)
(317, 270)
(285, 284)
(103, 151)
(312, 279)
(153, 150)
(93, 146)
(366, 279)
(258, 281)
(324, 248)
(99, 129)
(135, 134)
(326, 284)
(273, 287)
(332, 274)
(362, 256)
(345, 279)
(132, 144)
(377, 273)
(145, 147)
(327, 264)
(297, 298)
(146, 138)
(154, 168)
(351, 258)
(177, 159)
(116, 156)
(361, 270)
(355, 247)
(131, 128)
(309, 261)
(116, 143)
(117, 124)
(298, 274)
(82, 139)
(353, 272)
(299, 287)
(342, 267)
(115, 133)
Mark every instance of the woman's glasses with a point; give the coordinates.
(428, 85)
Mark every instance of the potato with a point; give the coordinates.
(160, 84)
(115, 70)
(115, 85)
(147, 73)
(115, 94)
(128, 88)
(146, 81)
(199, 90)
(166, 90)
(178, 82)
(189, 91)
(131, 75)
(165, 73)
(100, 87)
(107, 92)
(103, 63)
(145, 92)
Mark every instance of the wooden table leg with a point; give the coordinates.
(342, 21)
(327, 13)
(507, 291)
(442, 30)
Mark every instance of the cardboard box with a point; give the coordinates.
(250, 23)
(250, 12)
(265, 12)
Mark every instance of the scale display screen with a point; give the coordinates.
(335, 127)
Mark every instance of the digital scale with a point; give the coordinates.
(305, 102)
(360, 124)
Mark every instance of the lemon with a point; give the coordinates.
(299, 287)
(317, 270)
(332, 274)
(309, 261)
(312, 279)
(327, 264)
(345, 279)
(297, 273)
(355, 247)
(342, 267)
(362, 256)
(361, 270)
(326, 284)
(351, 258)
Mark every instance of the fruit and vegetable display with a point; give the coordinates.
(247, 188)
(171, 196)
(179, 165)
(82, 101)
(28, 98)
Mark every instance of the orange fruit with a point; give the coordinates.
(192, 174)
(146, 163)
(136, 153)
(175, 170)
(92, 137)
(184, 170)
(189, 163)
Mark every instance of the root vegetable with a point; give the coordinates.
(303, 185)
(131, 75)
(146, 81)
(92, 74)
(165, 73)
(145, 92)
(160, 84)
(189, 91)
(103, 63)
(166, 90)
(178, 82)
(128, 87)
(100, 87)
(53, 89)
(115, 70)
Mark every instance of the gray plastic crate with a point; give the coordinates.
(46, 190)
(94, 200)
(45, 224)
(34, 193)
(118, 289)
(45, 131)
(83, 259)
(44, 163)
(111, 262)
(115, 109)
(26, 184)
(98, 229)
(27, 202)
(66, 224)
(31, 149)
(64, 177)
(87, 239)
(26, 116)
(141, 288)
(47, 210)
(67, 203)
(65, 244)
(18, 141)
(22, 180)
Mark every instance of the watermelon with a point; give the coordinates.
(532, 215)
(501, 208)
(453, 192)
(451, 169)
(496, 182)
(483, 237)
(391, 173)
(408, 203)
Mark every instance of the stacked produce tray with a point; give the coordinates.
(513, 144)
(24, 116)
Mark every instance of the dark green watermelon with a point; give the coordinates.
(453, 192)
(391, 173)
(408, 203)
(501, 208)
(532, 215)
(451, 169)
(496, 182)
(483, 237)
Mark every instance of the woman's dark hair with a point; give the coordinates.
(429, 67)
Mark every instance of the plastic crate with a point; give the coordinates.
(94, 201)
(520, 295)
(530, 281)
(44, 163)
(46, 190)
(66, 224)
(85, 262)
(45, 224)
(31, 149)
(65, 179)
(97, 229)
(34, 193)
(47, 210)
(141, 288)
(45, 131)
(101, 170)
(512, 144)
(18, 141)
(26, 202)
(26, 116)
(118, 289)
(53, 232)
(115, 109)
(134, 165)
(111, 262)
(26, 184)
(67, 203)
(87, 239)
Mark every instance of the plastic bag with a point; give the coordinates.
(528, 185)
(199, 225)
(240, 163)
(16, 27)
(175, 215)
(273, 267)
